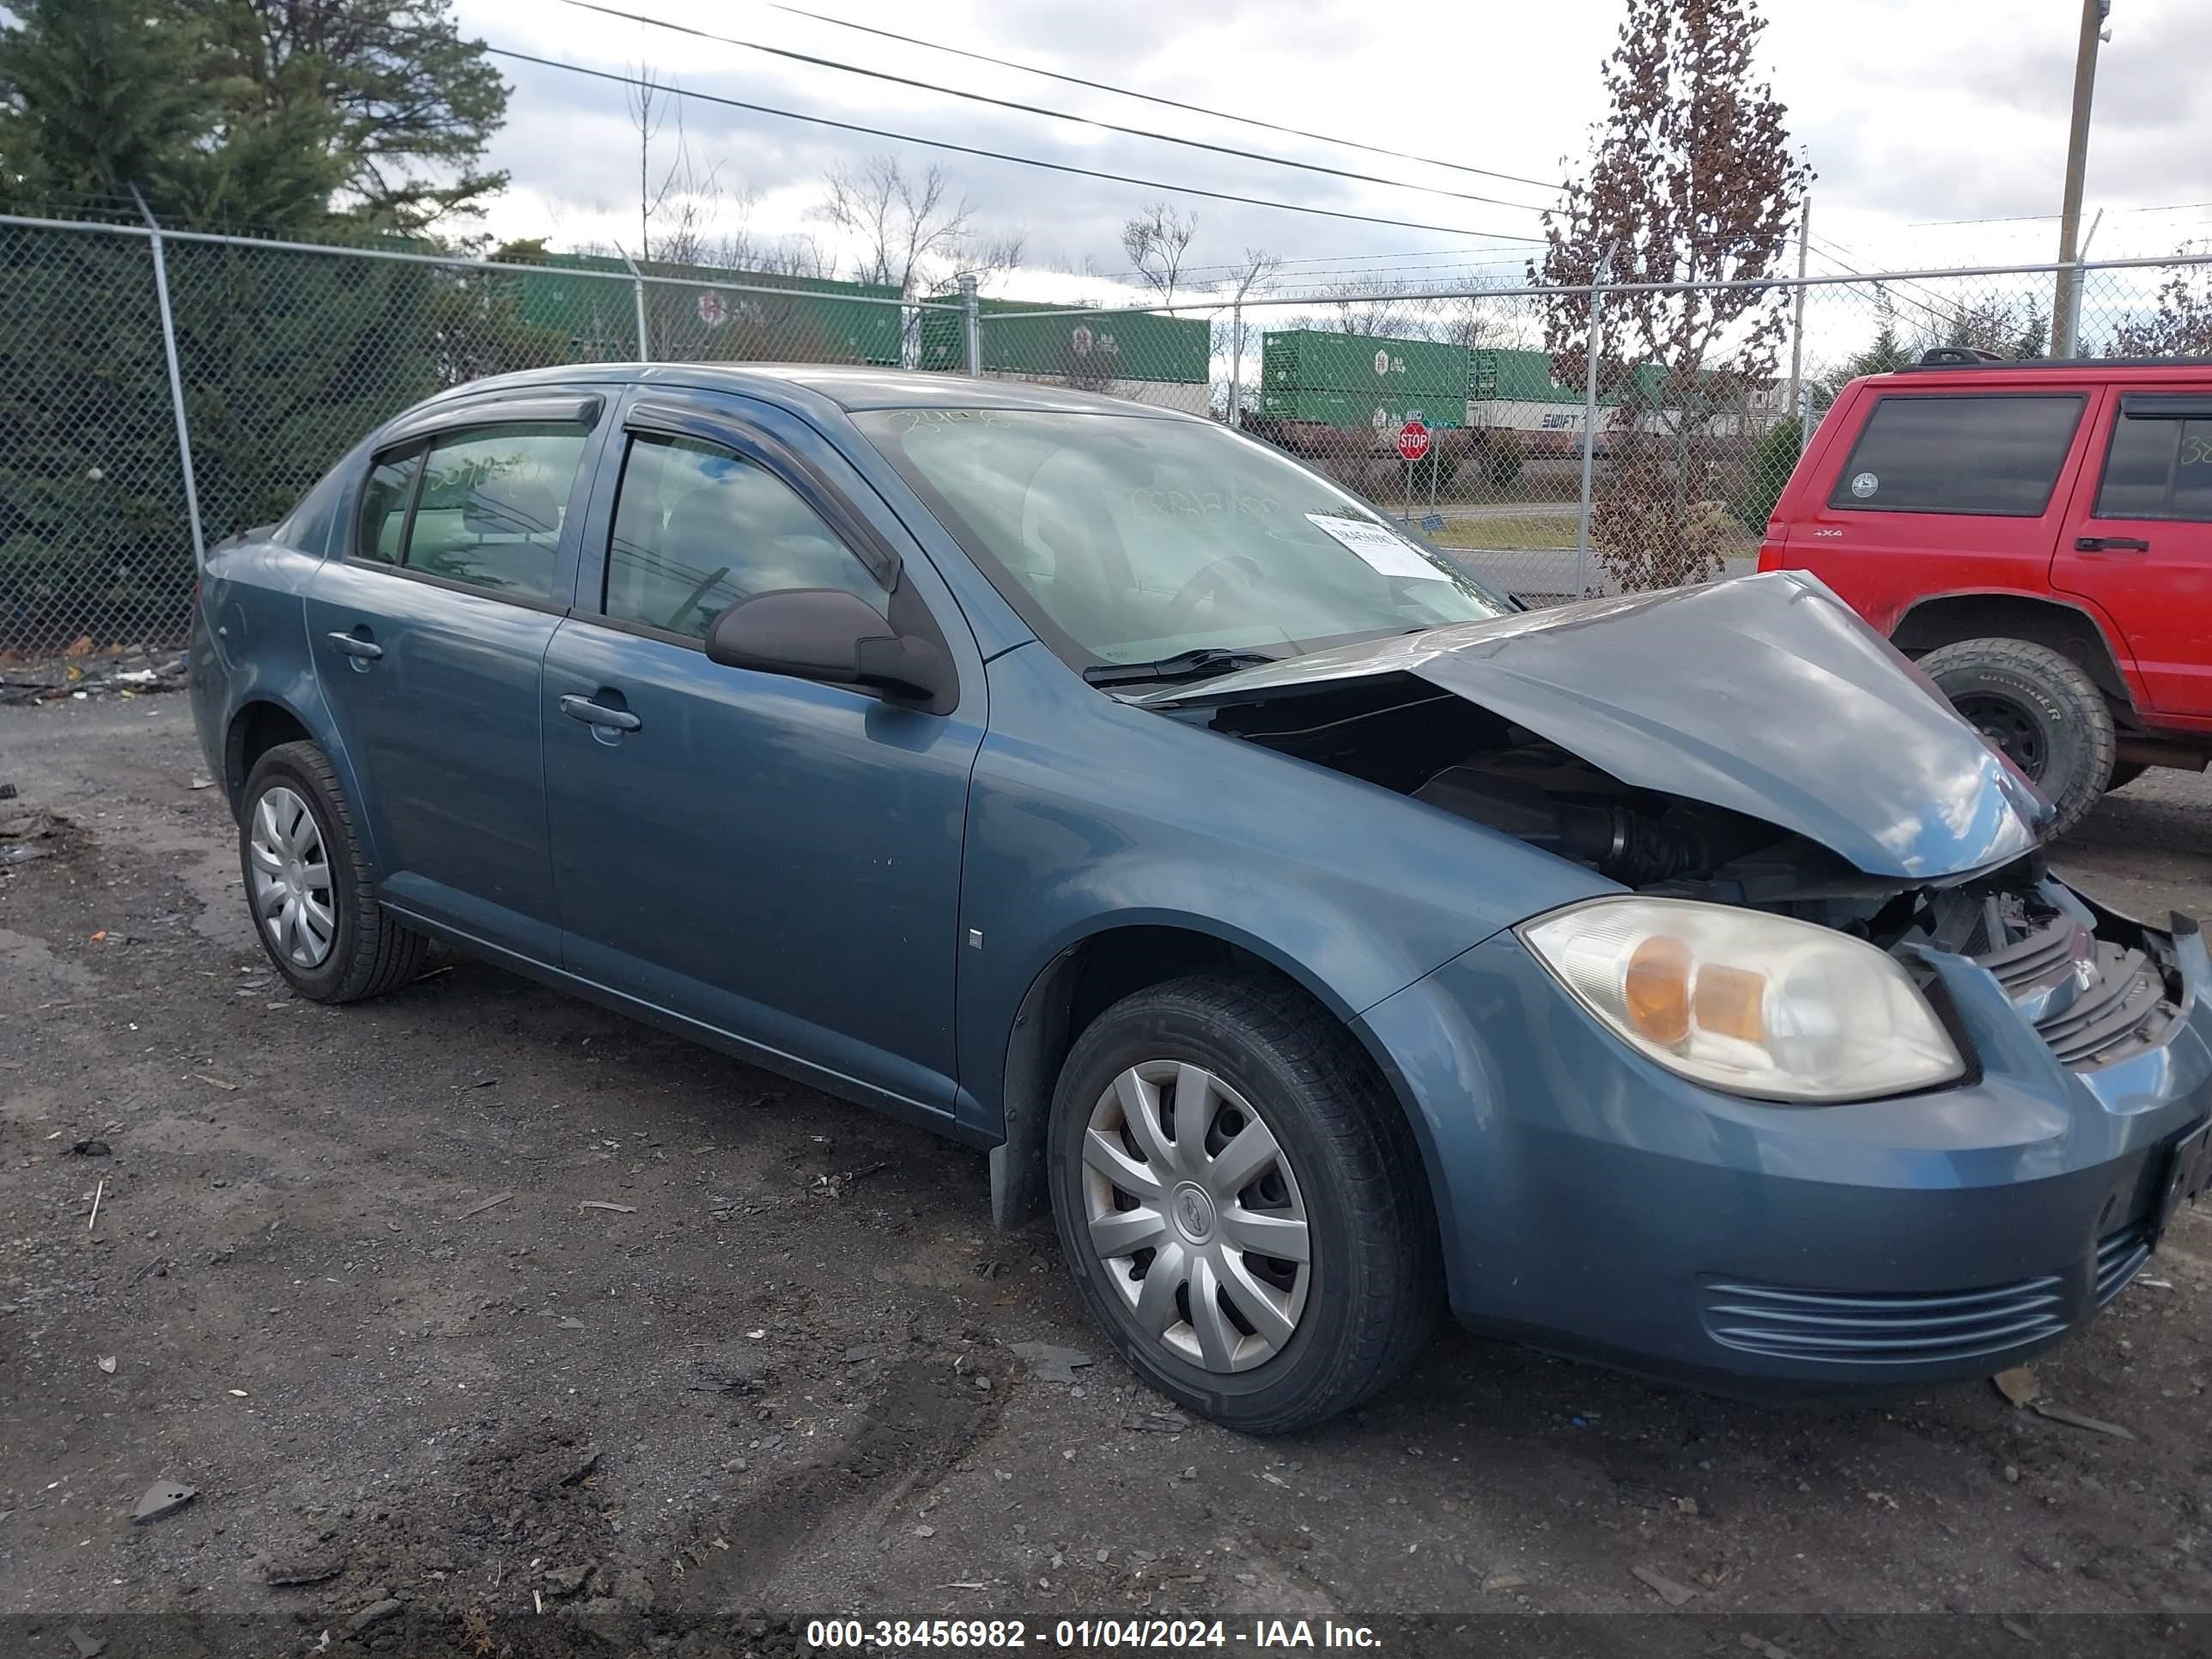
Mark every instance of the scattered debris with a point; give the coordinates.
(163, 1498)
(239, 1394)
(87, 1646)
(7, 791)
(202, 783)
(601, 1204)
(106, 1363)
(98, 1193)
(861, 1352)
(566, 1580)
(570, 1322)
(374, 1614)
(491, 1203)
(160, 1264)
(214, 1082)
(586, 1461)
(2097, 1424)
(2014, 1627)
(1665, 1589)
(91, 1149)
(306, 1570)
(2156, 1285)
(20, 853)
(1502, 1581)
(1050, 1363)
(2019, 1384)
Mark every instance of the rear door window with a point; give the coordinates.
(2159, 465)
(489, 510)
(1994, 454)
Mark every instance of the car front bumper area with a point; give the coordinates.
(1592, 1202)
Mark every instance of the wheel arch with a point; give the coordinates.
(2069, 629)
(265, 717)
(1083, 979)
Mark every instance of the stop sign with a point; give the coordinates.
(1413, 441)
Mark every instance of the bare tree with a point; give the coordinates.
(1233, 333)
(1691, 180)
(2181, 326)
(912, 233)
(1158, 241)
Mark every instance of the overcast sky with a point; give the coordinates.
(1911, 112)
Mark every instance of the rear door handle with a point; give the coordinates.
(2111, 545)
(352, 645)
(599, 714)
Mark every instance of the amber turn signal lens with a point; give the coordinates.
(1656, 990)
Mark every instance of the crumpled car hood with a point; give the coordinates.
(1766, 694)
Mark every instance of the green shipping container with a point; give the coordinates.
(1080, 348)
(812, 320)
(1364, 367)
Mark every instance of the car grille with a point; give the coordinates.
(1857, 1329)
(2093, 1002)
(2120, 1257)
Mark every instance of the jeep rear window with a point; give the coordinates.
(1987, 453)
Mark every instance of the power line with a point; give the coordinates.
(1039, 109)
(1151, 98)
(2041, 218)
(1000, 155)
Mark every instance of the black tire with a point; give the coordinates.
(1372, 1289)
(371, 951)
(2123, 774)
(2040, 707)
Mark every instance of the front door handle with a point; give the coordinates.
(599, 714)
(352, 645)
(2111, 545)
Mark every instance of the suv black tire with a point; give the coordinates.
(1372, 1280)
(371, 951)
(2042, 709)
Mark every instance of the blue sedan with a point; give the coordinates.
(1324, 940)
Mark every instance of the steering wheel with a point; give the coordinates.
(1239, 570)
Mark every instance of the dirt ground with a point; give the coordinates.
(518, 1328)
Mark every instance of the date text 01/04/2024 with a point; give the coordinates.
(1002, 1634)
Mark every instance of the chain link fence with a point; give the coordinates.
(1548, 478)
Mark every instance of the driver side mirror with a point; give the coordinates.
(828, 635)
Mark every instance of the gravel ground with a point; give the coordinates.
(508, 1325)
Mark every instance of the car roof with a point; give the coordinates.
(2047, 370)
(849, 389)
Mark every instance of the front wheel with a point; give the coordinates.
(2039, 706)
(1241, 1202)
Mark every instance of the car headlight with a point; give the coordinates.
(1751, 1003)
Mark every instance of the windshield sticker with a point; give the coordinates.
(1865, 485)
(1385, 551)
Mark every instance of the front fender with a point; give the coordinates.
(1087, 815)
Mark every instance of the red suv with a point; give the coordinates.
(2039, 536)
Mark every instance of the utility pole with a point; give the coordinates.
(2064, 311)
(1797, 326)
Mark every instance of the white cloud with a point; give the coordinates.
(1910, 112)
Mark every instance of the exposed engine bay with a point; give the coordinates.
(2095, 985)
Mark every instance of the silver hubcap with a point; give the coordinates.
(1193, 1210)
(292, 897)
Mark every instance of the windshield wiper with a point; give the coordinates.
(1202, 664)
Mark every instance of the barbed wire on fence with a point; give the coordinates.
(286, 353)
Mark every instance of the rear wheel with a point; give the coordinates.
(308, 885)
(1242, 1203)
(2041, 709)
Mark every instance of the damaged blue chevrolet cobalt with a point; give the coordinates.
(1670, 979)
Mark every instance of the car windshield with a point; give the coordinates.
(1128, 538)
